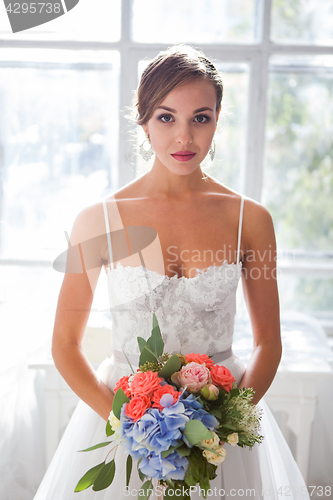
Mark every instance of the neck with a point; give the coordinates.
(162, 183)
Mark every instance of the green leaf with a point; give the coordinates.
(155, 322)
(168, 452)
(141, 474)
(217, 413)
(146, 490)
(141, 342)
(105, 476)
(171, 366)
(184, 451)
(146, 356)
(89, 478)
(119, 400)
(108, 429)
(195, 431)
(199, 471)
(155, 341)
(129, 463)
(228, 426)
(100, 445)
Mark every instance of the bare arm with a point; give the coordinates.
(261, 296)
(72, 314)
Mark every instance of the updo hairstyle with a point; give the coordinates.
(171, 68)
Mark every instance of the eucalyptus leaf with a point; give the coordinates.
(119, 400)
(129, 463)
(155, 322)
(155, 341)
(89, 478)
(171, 366)
(184, 451)
(108, 429)
(146, 490)
(195, 431)
(99, 445)
(146, 356)
(141, 343)
(167, 452)
(141, 474)
(105, 476)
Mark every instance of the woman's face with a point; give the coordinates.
(182, 128)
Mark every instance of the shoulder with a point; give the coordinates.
(258, 227)
(89, 223)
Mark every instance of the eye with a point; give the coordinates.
(165, 118)
(202, 119)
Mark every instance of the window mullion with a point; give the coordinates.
(256, 119)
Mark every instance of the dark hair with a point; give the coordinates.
(171, 68)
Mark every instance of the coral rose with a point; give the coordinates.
(145, 384)
(137, 407)
(123, 383)
(164, 389)
(199, 358)
(193, 376)
(222, 377)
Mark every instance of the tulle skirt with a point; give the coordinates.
(267, 471)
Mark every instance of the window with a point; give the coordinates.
(65, 139)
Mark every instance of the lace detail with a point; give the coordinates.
(195, 314)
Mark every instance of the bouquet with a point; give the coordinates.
(173, 416)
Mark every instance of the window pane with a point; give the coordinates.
(231, 131)
(59, 141)
(91, 21)
(302, 21)
(197, 21)
(305, 294)
(298, 180)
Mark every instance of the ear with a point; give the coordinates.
(145, 128)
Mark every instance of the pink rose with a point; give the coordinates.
(222, 377)
(193, 376)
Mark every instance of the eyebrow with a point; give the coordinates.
(196, 111)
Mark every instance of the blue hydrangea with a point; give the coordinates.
(172, 467)
(195, 411)
(155, 431)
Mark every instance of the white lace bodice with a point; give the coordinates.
(194, 314)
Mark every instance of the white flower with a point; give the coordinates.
(114, 421)
(215, 458)
(233, 439)
(211, 443)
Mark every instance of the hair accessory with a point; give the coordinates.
(146, 153)
(211, 152)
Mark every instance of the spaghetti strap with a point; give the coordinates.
(107, 226)
(240, 226)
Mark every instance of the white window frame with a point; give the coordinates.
(256, 55)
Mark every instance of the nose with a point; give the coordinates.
(184, 134)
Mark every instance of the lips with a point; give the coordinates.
(183, 155)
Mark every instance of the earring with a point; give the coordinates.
(146, 153)
(211, 152)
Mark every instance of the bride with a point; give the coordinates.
(205, 237)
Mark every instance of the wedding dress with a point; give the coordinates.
(195, 315)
